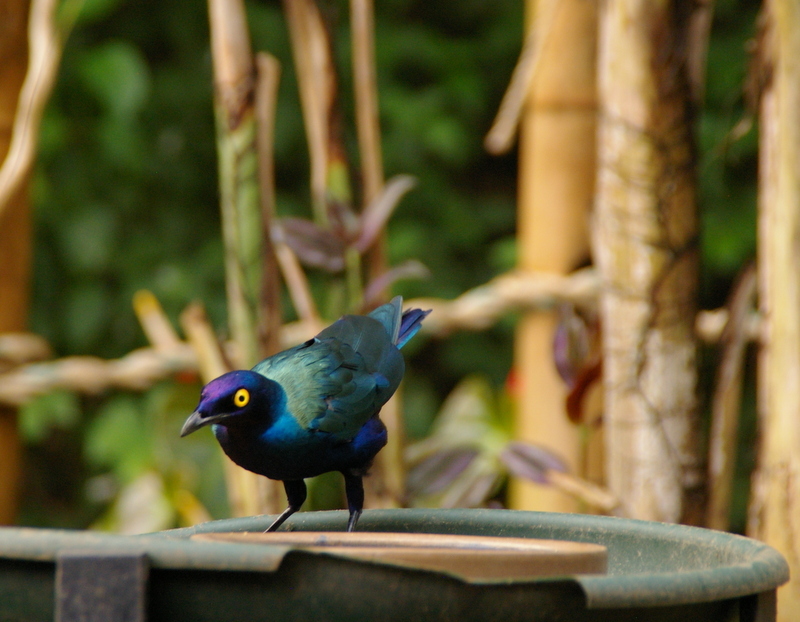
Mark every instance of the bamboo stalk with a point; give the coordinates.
(774, 515)
(242, 224)
(556, 168)
(234, 76)
(645, 247)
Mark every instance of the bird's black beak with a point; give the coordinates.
(194, 422)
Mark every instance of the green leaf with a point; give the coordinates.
(84, 312)
(41, 414)
(119, 439)
(98, 224)
(94, 10)
(117, 75)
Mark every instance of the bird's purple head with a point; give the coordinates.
(232, 395)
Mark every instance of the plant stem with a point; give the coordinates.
(266, 100)
(240, 206)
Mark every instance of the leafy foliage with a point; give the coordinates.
(470, 451)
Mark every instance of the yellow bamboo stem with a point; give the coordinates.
(556, 173)
(774, 512)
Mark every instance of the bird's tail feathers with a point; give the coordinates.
(410, 324)
(400, 325)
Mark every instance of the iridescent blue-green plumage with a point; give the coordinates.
(313, 408)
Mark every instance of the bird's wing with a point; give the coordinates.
(336, 381)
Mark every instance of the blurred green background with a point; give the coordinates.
(125, 198)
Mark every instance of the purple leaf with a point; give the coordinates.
(531, 461)
(571, 344)
(343, 221)
(477, 494)
(439, 470)
(314, 246)
(376, 214)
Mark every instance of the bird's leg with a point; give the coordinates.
(354, 489)
(296, 494)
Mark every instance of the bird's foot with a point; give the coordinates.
(354, 516)
(279, 521)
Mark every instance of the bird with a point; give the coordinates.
(313, 408)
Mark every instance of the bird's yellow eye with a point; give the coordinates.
(241, 398)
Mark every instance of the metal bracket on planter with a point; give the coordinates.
(101, 587)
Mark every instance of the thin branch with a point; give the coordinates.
(138, 371)
(514, 291)
(317, 84)
(210, 359)
(154, 322)
(268, 71)
(248, 493)
(362, 20)
(582, 489)
(21, 348)
(726, 405)
(476, 309)
(295, 278)
(45, 46)
(501, 135)
(362, 26)
(697, 47)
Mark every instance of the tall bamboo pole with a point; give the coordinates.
(645, 246)
(774, 513)
(556, 185)
(15, 245)
(242, 219)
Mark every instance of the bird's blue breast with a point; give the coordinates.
(287, 451)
